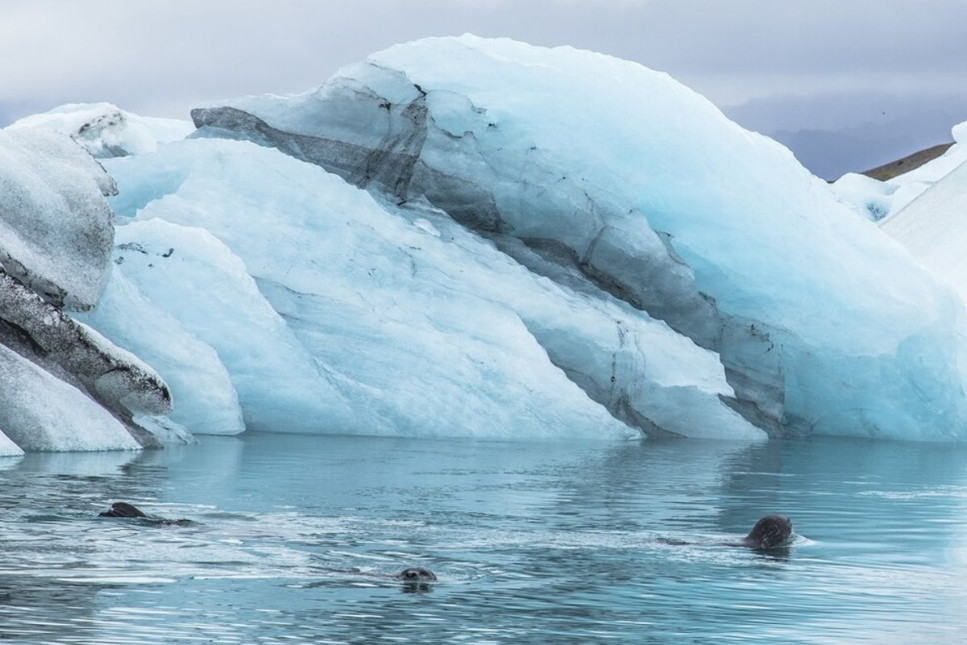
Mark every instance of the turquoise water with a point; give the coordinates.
(295, 540)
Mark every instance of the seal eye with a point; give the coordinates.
(411, 575)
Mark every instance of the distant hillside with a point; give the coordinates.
(906, 164)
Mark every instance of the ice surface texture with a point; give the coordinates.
(55, 227)
(105, 130)
(278, 383)
(501, 241)
(41, 412)
(601, 174)
(63, 386)
(366, 317)
(205, 398)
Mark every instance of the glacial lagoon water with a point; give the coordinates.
(295, 539)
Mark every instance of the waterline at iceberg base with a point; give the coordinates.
(470, 237)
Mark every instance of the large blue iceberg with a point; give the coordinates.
(595, 171)
(470, 237)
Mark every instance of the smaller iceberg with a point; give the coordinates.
(930, 223)
(878, 200)
(105, 130)
(63, 386)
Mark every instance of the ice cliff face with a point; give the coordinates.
(607, 178)
(62, 385)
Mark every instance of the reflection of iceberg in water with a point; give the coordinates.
(871, 519)
(55, 551)
(881, 514)
(9, 461)
(49, 609)
(214, 468)
(89, 464)
(855, 488)
(665, 483)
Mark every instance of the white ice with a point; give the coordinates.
(56, 236)
(863, 193)
(55, 226)
(198, 280)
(39, 412)
(105, 130)
(8, 448)
(934, 228)
(926, 210)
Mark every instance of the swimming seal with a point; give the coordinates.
(122, 509)
(130, 511)
(769, 532)
(416, 574)
(415, 579)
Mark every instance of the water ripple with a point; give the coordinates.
(296, 539)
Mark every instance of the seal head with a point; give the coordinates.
(122, 509)
(769, 532)
(130, 511)
(416, 574)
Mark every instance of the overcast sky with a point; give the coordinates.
(874, 70)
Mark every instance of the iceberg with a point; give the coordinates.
(462, 237)
(931, 224)
(922, 209)
(603, 178)
(880, 199)
(63, 386)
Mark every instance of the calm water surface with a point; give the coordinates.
(295, 540)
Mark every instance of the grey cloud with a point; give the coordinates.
(151, 51)
(163, 57)
(834, 134)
